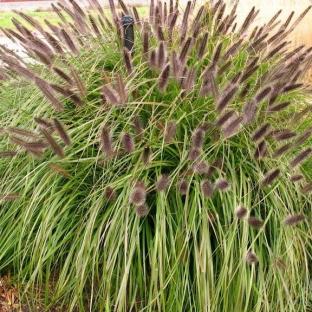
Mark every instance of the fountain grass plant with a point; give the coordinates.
(172, 177)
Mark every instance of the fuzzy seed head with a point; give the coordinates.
(222, 185)
(282, 150)
(200, 167)
(255, 222)
(284, 134)
(251, 258)
(261, 150)
(128, 143)
(233, 127)
(241, 212)
(138, 126)
(226, 98)
(163, 78)
(198, 138)
(146, 155)
(57, 149)
(207, 188)
(307, 188)
(224, 118)
(294, 219)
(261, 132)
(106, 141)
(194, 153)
(7, 154)
(128, 61)
(9, 196)
(163, 183)
(270, 177)
(110, 193)
(142, 211)
(301, 157)
(61, 131)
(183, 186)
(296, 177)
(170, 131)
(138, 194)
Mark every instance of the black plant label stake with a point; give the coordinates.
(127, 24)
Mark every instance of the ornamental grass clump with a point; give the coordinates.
(172, 173)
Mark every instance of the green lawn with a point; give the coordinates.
(6, 17)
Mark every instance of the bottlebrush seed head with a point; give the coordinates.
(110, 95)
(198, 138)
(163, 183)
(145, 39)
(200, 167)
(194, 153)
(294, 219)
(278, 107)
(152, 59)
(161, 55)
(163, 78)
(160, 33)
(183, 186)
(263, 93)
(202, 46)
(307, 188)
(224, 118)
(296, 177)
(261, 150)
(170, 131)
(241, 212)
(222, 185)
(217, 53)
(303, 137)
(251, 258)
(7, 154)
(233, 127)
(255, 222)
(138, 126)
(261, 132)
(282, 150)
(57, 149)
(138, 194)
(128, 61)
(106, 141)
(185, 48)
(9, 196)
(61, 131)
(270, 177)
(128, 143)
(142, 211)
(207, 188)
(301, 157)
(110, 193)
(146, 155)
(284, 134)
(225, 99)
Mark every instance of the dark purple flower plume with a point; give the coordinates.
(163, 183)
(128, 143)
(207, 188)
(294, 219)
(241, 212)
(222, 185)
(255, 222)
(270, 177)
(138, 194)
(170, 131)
(251, 258)
(301, 157)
